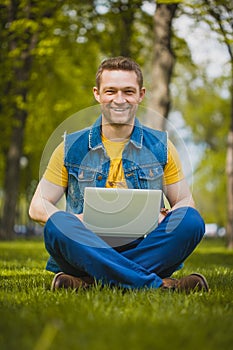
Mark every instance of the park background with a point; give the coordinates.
(49, 55)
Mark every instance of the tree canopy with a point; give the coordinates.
(49, 55)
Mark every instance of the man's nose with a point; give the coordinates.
(119, 97)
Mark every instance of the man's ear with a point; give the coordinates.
(96, 93)
(142, 94)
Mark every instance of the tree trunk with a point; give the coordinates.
(15, 150)
(11, 183)
(162, 66)
(123, 22)
(126, 19)
(17, 90)
(219, 14)
(229, 173)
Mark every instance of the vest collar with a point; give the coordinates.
(95, 140)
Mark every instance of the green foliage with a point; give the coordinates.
(217, 14)
(205, 104)
(169, 1)
(205, 107)
(207, 112)
(22, 24)
(65, 89)
(59, 77)
(125, 29)
(33, 317)
(210, 187)
(65, 41)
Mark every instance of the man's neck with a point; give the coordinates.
(117, 132)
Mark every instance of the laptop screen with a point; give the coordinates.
(125, 213)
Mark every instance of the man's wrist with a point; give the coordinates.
(164, 211)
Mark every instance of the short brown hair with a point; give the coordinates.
(119, 63)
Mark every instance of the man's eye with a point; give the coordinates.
(129, 92)
(109, 92)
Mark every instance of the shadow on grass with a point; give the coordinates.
(212, 259)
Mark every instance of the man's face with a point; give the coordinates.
(119, 95)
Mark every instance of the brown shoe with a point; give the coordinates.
(62, 280)
(192, 283)
(169, 283)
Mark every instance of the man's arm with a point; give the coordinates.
(178, 195)
(43, 203)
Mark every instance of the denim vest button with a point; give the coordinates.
(130, 174)
(99, 177)
(151, 173)
(81, 175)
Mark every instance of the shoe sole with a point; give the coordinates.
(205, 283)
(54, 280)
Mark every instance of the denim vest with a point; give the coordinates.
(144, 158)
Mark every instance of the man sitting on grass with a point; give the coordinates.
(117, 151)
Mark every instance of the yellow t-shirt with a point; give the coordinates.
(116, 176)
(56, 172)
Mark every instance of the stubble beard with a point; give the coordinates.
(119, 116)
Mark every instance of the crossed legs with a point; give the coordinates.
(77, 251)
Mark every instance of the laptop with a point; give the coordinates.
(120, 216)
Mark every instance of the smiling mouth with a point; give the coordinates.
(120, 109)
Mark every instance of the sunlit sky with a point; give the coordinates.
(207, 51)
(204, 45)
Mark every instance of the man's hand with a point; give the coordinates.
(163, 213)
(79, 216)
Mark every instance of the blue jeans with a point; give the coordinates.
(78, 251)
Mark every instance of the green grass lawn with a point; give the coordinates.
(32, 317)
